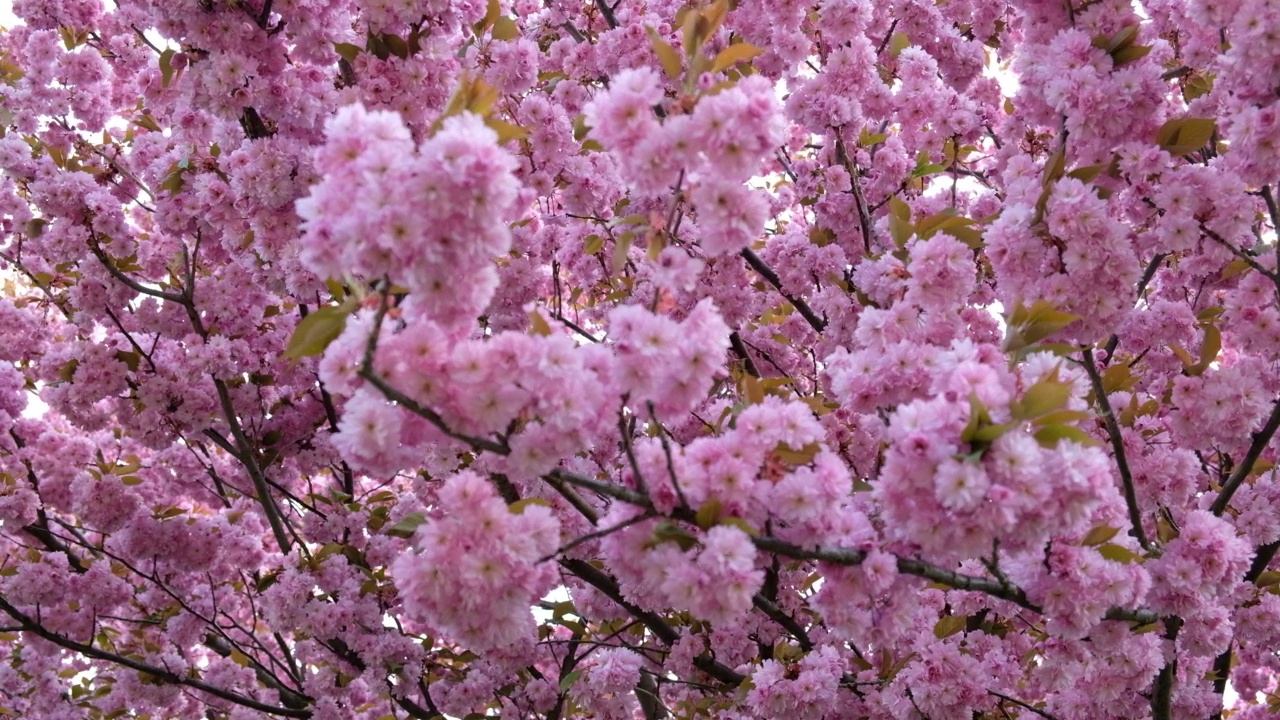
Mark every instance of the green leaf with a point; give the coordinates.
(518, 507)
(506, 131)
(1044, 397)
(1123, 38)
(347, 51)
(621, 247)
(408, 525)
(130, 359)
(396, 45)
(926, 169)
(375, 44)
(897, 43)
(1098, 535)
(317, 330)
(734, 54)
(1119, 553)
(1210, 346)
(1197, 86)
(68, 370)
(1183, 136)
(948, 625)
(1086, 173)
(1129, 54)
(796, 458)
(1051, 435)
(667, 531)
(1063, 416)
(988, 434)
(267, 581)
(1268, 578)
(708, 514)
(173, 180)
(504, 28)
(1188, 364)
(1211, 313)
(900, 227)
(869, 139)
(567, 681)
(166, 67)
(1055, 167)
(667, 55)
(538, 324)
(580, 128)
(1026, 326)
(146, 120)
(493, 10)
(741, 524)
(69, 38)
(1118, 377)
(941, 222)
(978, 417)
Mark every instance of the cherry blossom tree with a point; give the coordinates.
(384, 359)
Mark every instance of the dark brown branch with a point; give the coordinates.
(162, 674)
(248, 458)
(128, 281)
(430, 415)
(1260, 441)
(1147, 276)
(254, 127)
(1117, 447)
(265, 15)
(602, 532)
(865, 224)
(607, 13)
(1241, 254)
(788, 623)
(766, 272)
(1023, 705)
(289, 697)
(366, 371)
(1162, 691)
(845, 556)
(661, 629)
(574, 499)
(735, 342)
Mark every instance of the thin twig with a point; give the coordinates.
(162, 674)
(1021, 704)
(602, 532)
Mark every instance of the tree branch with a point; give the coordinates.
(161, 674)
(766, 272)
(249, 459)
(1117, 447)
(1025, 706)
(1260, 441)
(865, 223)
(846, 556)
(366, 372)
(607, 13)
(128, 281)
(1162, 691)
